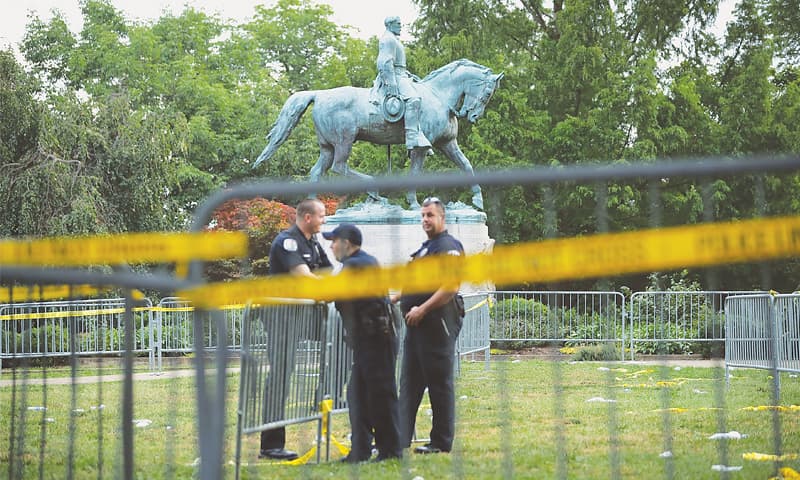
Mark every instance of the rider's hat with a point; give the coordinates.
(393, 108)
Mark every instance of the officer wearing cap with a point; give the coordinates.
(433, 324)
(294, 251)
(372, 391)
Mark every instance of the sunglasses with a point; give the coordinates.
(430, 200)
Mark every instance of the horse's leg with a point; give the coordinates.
(340, 156)
(451, 151)
(323, 164)
(417, 156)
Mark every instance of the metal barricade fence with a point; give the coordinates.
(338, 360)
(282, 364)
(526, 318)
(47, 329)
(474, 336)
(787, 313)
(49, 418)
(763, 332)
(677, 322)
(175, 331)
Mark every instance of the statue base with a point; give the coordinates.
(392, 234)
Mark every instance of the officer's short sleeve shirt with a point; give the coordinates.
(291, 248)
(442, 244)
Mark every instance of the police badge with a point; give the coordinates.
(290, 244)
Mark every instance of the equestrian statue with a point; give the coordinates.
(398, 109)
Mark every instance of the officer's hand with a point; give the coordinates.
(414, 316)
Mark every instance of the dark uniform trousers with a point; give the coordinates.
(372, 397)
(428, 360)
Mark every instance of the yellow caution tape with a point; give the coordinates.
(545, 261)
(765, 457)
(68, 313)
(684, 410)
(639, 372)
(126, 248)
(37, 293)
(778, 408)
(325, 408)
(660, 384)
(478, 305)
(786, 473)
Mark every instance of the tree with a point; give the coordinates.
(19, 112)
(296, 40)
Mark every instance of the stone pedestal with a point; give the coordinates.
(392, 234)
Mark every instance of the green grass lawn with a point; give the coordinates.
(526, 419)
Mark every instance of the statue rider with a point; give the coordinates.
(395, 85)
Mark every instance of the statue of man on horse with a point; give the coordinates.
(431, 107)
(394, 86)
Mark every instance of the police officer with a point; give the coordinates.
(294, 251)
(372, 391)
(432, 325)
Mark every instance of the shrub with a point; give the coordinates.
(526, 321)
(713, 331)
(40, 339)
(592, 328)
(593, 353)
(650, 340)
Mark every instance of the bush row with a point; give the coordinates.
(518, 323)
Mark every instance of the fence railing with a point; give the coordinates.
(283, 364)
(652, 322)
(523, 318)
(677, 322)
(474, 337)
(80, 327)
(174, 327)
(763, 331)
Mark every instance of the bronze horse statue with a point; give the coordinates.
(344, 115)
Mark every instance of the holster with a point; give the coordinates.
(374, 318)
(453, 313)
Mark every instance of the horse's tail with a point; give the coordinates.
(290, 115)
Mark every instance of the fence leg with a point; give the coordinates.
(210, 400)
(127, 391)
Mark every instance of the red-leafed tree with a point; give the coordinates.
(331, 203)
(262, 220)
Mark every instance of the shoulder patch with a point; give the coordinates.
(290, 244)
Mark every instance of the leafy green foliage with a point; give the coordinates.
(19, 111)
(597, 353)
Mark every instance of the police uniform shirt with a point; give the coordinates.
(359, 259)
(291, 248)
(442, 244)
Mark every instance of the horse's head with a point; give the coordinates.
(477, 93)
